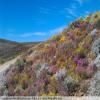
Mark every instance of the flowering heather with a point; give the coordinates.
(90, 70)
(58, 66)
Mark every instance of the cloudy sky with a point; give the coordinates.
(38, 20)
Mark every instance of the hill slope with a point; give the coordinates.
(10, 49)
(64, 65)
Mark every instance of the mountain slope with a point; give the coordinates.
(62, 66)
(10, 49)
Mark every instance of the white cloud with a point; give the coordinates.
(48, 33)
(26, 35)
(87, 12)
(71, 11)
(69, 16)
(33, 34)
(56, 30)
(74, 6)
(40, 33)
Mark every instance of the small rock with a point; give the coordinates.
(97, 61)
(96, 47)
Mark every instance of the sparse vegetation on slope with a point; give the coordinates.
(10, 49)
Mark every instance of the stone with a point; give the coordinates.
(96, 47)
(97, 61)
(94, 32)
(61, 74)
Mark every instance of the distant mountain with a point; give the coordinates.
(10, 49)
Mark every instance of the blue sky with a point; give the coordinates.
(38, 20)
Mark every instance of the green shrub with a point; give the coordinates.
(20, 64)
(97, 24)
(72, 87)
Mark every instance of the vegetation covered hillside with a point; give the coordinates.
(62, 66)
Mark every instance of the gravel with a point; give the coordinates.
(94, 89)
(3, 69)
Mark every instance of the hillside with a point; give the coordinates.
(65, 65)
(10, 49)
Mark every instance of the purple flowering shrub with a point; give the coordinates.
(56, 67)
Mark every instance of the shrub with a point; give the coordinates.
(11, 91)
(24, 93)
(80, 70)
(18, 90)
(80, 51)
(56, 38)
(71, 85)
(52, 86)
(88, 40)
(82, 62)
(97, 24)
(9, 79)
(91, 56)
(20, 65)
(62, 39)
(53, 69)
(88, 19)
(74, 75)
(77, 32)
(96, 16)
(24, 80)
(31, 91)
(90, 70)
